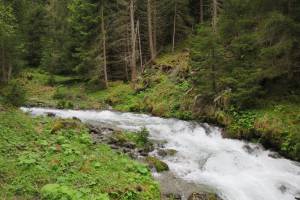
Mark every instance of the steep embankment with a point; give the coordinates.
(54, 159)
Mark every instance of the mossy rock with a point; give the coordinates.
(64, 124)
(166, 152)
(118, 138)
(159, 165)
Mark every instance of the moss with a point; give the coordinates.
(159, 165)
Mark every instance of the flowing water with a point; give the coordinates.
(236, 170)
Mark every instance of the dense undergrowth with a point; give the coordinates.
(39, 159)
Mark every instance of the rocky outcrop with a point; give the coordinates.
(115, 138)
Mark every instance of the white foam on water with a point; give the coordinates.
(204, 157)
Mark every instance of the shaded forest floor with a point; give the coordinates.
(165, 91)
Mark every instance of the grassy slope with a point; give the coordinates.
(32, 157)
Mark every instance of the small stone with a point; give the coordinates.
(129, 145)
(172, 196)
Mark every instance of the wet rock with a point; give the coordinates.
(166, 152)
(250, 149)
(50, 114)
(143, 153)
(157, 164)
(202, 196)
(274, 155)
(76, 119)
(283, 188)
(129, 145)
(172, 196)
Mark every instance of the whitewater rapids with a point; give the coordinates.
(236, 170)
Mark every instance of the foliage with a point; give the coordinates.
(35, 163)
(14, 94)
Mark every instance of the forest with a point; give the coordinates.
(234, 64)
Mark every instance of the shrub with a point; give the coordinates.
(143, 136)
(62, 104)
(95, 84)
(62, 93)
(14, 94)
(51, 80)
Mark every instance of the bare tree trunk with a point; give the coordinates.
(174, 27)
(140, 45)
(201, 20)
(214, 15)
(104, 45)
(133, 44)
(150, 30)
(154, 28)
(127, 54)
(9, 71)
(213, 71)
(3, 62)
(290, 6)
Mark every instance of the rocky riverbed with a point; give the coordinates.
(172, 187)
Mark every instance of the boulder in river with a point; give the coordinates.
(50, 114)
(166, 152)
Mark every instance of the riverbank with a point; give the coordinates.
(195, 153)
(39, 158)
(164, 91)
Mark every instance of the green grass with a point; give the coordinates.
(276, 125)
(31, 158)
(163, 95)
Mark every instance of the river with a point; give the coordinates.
(236, 170)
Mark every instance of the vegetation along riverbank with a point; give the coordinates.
(233, 63)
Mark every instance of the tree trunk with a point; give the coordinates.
(104, 45)
(154, 28)
(214, 15)
(150, 30)
(133, 44)
(213, 70)
(290, 7)
(9, 71)
(174, 27)
(140, 45)
(3, 62)
(201, 14)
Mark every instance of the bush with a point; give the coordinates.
(51, 80)
(14, 94)
(62, 104)
(95, 84)
(143, 136)
(62, 93)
